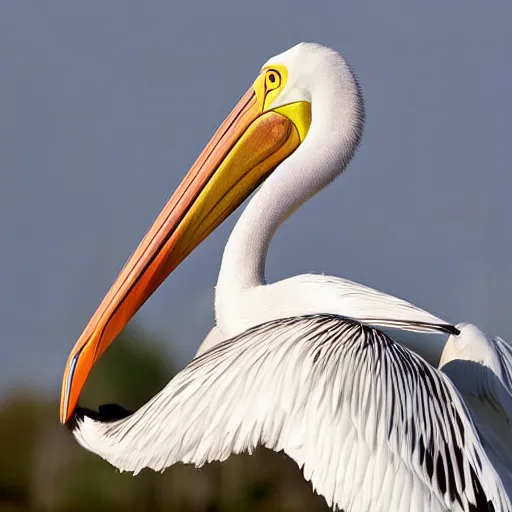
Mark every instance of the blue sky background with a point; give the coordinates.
(104, 106)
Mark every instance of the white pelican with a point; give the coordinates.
(303, 369)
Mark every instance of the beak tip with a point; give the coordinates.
(63, 417)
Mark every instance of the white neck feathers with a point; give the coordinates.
(335, 131)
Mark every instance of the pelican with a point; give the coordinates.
(298, 365)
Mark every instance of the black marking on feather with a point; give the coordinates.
(482, 503)
(450, 329)
(106, 413)
(429, 460)
(405, 324)
(441, 475)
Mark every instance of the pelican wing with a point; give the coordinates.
(490, 407)
(214, 337)
(372, 425)
(504, 352)
(481, 369)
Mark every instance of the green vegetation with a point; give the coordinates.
(43, 469)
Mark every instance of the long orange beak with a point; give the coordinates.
(243, 152)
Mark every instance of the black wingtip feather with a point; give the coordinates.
(105, 413)
(450, 329)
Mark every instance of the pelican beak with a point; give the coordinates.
(246, 148)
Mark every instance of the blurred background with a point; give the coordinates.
(105, 105)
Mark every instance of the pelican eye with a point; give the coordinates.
(272, 80)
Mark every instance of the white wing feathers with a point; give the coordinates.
(471, 344)
(321, 294)
(504, 351)
(373, 307)
(214, 337)
(481, 369)
(372, 425)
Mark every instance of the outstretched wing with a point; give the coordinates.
(372, 425)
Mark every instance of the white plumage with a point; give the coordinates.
(481, 369)
(373, 426)
(298, 365)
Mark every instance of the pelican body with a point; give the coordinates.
(298, 365)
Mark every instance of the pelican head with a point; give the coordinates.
(270, 122)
